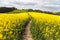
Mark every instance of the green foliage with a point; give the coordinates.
(18, 11)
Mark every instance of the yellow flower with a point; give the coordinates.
(51, 39)
(51, 32)
(9, 22)
(47, 29)
(1, 36)
(57, 33)
(58, 39)
(10, 32)
(4, 37)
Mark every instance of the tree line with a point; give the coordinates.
(6, 9)
(15, 10)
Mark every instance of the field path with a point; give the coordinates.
(27, 34)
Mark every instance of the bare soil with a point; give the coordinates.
(27, 34)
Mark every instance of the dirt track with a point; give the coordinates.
(27, 34)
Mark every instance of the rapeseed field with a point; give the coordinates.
(45, 26)
(11, 25)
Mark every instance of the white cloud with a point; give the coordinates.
(50, 5)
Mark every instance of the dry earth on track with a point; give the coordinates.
(27, 34)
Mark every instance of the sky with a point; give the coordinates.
(45, 5)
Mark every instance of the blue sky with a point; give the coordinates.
(46, 5)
